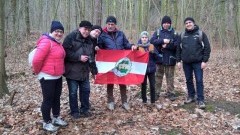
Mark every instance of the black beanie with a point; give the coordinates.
(56, 25)
(166, 19)
(97, 27)
(189, 19)
(85, 24)
(111, 19)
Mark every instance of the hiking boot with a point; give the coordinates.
(189, 100)
(59, 122)
(49, 127)
(110, 106)
(75, 115)
(85, 114)
(126, 106)
(201, 105)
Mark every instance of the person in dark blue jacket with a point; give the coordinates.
(165, 41)
(114, 39)
(145, 46)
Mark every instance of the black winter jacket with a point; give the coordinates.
(169, 53)
(75, 46)
(191, 49)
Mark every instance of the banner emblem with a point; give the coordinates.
(122, 67)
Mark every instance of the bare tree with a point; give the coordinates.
(3, 85)
(27, 19)
(98, 12)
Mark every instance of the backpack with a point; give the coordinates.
(31, 56)
(32, 53)
(200, 34)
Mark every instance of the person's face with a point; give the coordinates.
(84, 31)
(111, 26)
(95, 33)
(144, 39)
(166, 25)
(57, 34)
(189, 25)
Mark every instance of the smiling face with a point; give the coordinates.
(95, 33)
(189, 25)
(57, 34)
(166, 25)
(85, 31)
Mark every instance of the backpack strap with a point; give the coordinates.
(182, 35)
(158, 33)
(200, 34)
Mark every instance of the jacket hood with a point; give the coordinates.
(106, 31)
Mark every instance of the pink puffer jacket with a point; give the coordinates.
(49, 57)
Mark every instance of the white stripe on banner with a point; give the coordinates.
(137, 67)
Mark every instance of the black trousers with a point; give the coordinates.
(51, 90)
(151, 78)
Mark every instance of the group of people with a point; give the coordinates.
(75, 59)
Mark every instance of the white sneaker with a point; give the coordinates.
(159, 106)
(59, 122)
(110, 106)
(126, 106)
(49, 127)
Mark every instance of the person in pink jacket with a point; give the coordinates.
(48, 65)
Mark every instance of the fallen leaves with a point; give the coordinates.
(221, 81)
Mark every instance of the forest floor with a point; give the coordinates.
(221, 116)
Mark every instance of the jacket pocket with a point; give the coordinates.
(172, 60)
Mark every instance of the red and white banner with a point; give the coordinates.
(121, 66)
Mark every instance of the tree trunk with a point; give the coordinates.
(27, 19)
(236, 11)
(3, 85)
(98, 12)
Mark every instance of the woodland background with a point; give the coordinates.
(23, 21)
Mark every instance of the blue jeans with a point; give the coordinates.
(84, 92)
(189, 68)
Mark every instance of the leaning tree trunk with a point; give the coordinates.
(3, 85)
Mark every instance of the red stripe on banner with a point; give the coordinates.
(116, 55)
(111, 78)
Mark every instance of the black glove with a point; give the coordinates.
(94, 69)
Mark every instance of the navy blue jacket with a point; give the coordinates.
(113, 40)
(151, 67)
(168, 53)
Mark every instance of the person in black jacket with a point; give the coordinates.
(194, 54)
(165, 41)
(79, 62)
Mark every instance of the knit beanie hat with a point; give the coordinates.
(97, 27)
(189, 19)
(56, 25)
(85, 24)
(166, 19)
(111, 19)
(144, 33)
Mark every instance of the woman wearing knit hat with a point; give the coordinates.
(48, 65)
(166, 41)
